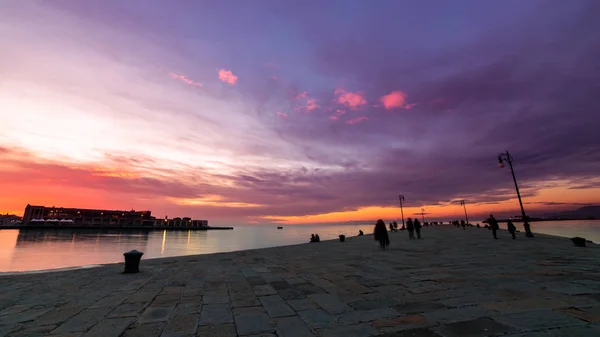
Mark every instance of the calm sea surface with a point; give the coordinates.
(30, 250)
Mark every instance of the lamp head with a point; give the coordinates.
(500, 163)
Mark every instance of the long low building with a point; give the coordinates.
(60, 216)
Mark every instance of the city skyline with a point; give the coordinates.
(299, 112)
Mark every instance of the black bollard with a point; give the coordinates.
(132, 261)
(342, 238)
(578, 242)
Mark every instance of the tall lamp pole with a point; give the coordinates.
(462, 202)
(506, 157)
(423, 215)
(401, 198)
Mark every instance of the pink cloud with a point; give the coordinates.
(334, 118)
(184, 79)
(410, 106)
(356, 120)
(227, 76)
(311, 104)
(282, 114)
(301, 95)
(339, 112)
(350, 99)
(393, 100)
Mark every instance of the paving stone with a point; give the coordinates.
(279, 285)
(215, 296)
(290, 294)
(244, 299)
(576, 331)
(248, 323)
(421, 332)
(302, 304)
(145, 330)
(399, 323)
(128, 310)
(222, 330)
(109, 327)
(417, 308)
(27, 315)
(479, 327)
(354, 317)
(215, 314)
(458, 314)
(58, 315)
(264, 290)
(374, 304)
(330, 303)
(276, 306)
(292, 327)
(538, 319)
(591, 315)
(82, 321)
(156, 314)
(318, 318)
(359, 330)
(256, 281)
(525, 305)
(308, 288)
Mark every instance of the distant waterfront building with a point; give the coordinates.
(41, 215)
(10, 219)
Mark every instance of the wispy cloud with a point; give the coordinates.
(394, 100)
(282, 114)
(356, 120)
(351, 99)
(184, 79)
(227, 76)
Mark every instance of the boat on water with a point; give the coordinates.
(279, 227)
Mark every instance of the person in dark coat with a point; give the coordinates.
(418, 228)
(493, 225)
(395, 226)
(381, 234)
(511, 228)
(463, 224)
(410, 227)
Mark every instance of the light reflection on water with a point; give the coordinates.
(26, 250)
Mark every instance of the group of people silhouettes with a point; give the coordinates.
(493, 225)
(381, 234)
(315, 238)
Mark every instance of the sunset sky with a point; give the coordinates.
(299, 111)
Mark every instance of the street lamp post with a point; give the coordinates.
(506, 157)
(462, 202)
(423, 215)
(401, 198)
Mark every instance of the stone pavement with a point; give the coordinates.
(451, 283)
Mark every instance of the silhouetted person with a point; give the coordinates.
(493, 225)
(511, 228)
(418, 228)
(391, 227)
(478, 226)
(395, 226)
(381, 234)
(463, 224)
(411, 228)
(360, 232)
(312, 238)
(317, 238)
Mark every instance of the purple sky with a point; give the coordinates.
(262, 110)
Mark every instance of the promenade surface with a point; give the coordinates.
(451, 283)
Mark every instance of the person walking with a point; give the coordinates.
(418, 228)
(381, 234)
(511, 228)
(410, 227)
(493, 225)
